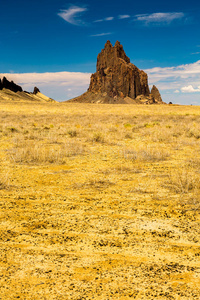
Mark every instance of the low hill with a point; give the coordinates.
(11, 91)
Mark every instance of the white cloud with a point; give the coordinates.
(159, 18)
(72, 15)
(124, 16)
(172, 79)
(176, 77)
(196, 53)
(176, 91)
(190, 89)
(102, 34)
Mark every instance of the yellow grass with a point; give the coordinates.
(99, 201)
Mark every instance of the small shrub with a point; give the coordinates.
(37, 153)
(128, 136)
(182, 181)
(72, 133)
(148, 125)
(127, 125)
(12, 129)
(194, 133)
(146, 155)
(97, 137)
(46, 127)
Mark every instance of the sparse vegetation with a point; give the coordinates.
(99, 201)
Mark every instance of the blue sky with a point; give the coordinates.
(54, 44)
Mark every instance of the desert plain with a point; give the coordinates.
(99, 201)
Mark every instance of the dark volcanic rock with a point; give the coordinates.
(116, 76)
(156, 94)
(10, 85)
(36, 90)
(1, 85)
(117, 80)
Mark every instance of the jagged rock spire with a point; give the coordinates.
(116, 79)
(36, 90)
(156, 94)
(116, 76)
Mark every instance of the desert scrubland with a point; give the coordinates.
(99, 201)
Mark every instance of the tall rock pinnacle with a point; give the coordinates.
(116, 76)
(116, 80)
(156, 94)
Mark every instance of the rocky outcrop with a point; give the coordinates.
(116, 76)
(36, 90)
(10, 85)
(116, 80)
(156, 94)
(11, 91)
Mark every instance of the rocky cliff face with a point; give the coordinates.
(116, 76)
(10, 85)
(117, 80)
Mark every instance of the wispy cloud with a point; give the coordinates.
(72, 15)
(105, 19)
(159, 18)
(109, 19)
(195, 53)
(124, 17)
(102, 34)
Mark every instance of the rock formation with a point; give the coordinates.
(36, 90)
(116, 76)
(117, 80)
(156, 94)
(11, 91)
(10, 85)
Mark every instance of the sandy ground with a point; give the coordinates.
(110, 221)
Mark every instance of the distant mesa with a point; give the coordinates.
(117, 80)
(11, 91)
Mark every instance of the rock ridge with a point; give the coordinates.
(9, 85)
(11, 91)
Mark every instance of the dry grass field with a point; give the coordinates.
(99, 201)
